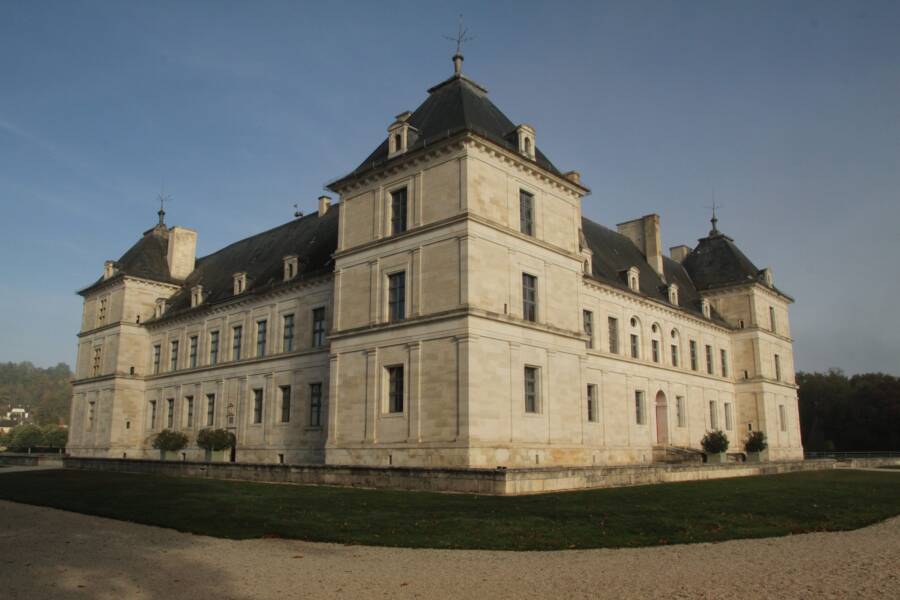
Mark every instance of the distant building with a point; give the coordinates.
(455, 308)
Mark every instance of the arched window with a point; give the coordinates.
(635, 338)
(656, 343)
(528, 146)
(398, 143)
(675, 349)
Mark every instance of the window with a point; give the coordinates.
(318, 319)
(529, 297)
(315, 404)
(709, 360)
(613, 326)
(782, 418)
(531, 390)
(398, 211)
(153, 414)
(101, 312)
(91, 406)
(729, 424)
(170, 413)
(674, 355)
(213, 347)
(526, 212)
(693, 345)
(97, 361)
(189, 409)
(397, 297)
(777, 368)
(261, 338)
(236, 334)
(635, 346)
(192, 351)
(640, 416)
(713, 415)
(772, 318)
(593, 412)
(173, 355)
(654, 349)
(285, 403)
(257, 405)
(724, 356)
(679, 410)
(157, 351)
(395, 389)
(287, 342)
(589, 327)
(210, 410)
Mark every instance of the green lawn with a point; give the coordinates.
(703, 511)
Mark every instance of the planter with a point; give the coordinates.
(164, 455)
(756, 457)
(719, 458)
(216, 455)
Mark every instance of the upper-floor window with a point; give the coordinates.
(777, 368)
(213, 347)
(285, 403)
(210, 410)
(157, 351)
(526, 212)
(529, 297)
(613, 326)
(287, 341)
(593, 413)
(772, 318)
(261, 327)
(724, 356)
(236, 335)
(674, 355)
(693, 347)
(531, 390)
(97, 361)
(397, 296)
(635, 346)
(257, 405)
(395, 389)
(192, 351)
(709, 360)
(173, 355)
(588, 321)
(654, 349)
(398, 211)
(315, 404)
(640, 412)
(318, 326)
(101, 312)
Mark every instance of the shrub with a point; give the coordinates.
(55, 436)
(170, 441)
(715, 442)
(23, 437)
(215, 439)
(756, 442)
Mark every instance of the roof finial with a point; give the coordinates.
(714, 220)
(163, 198)
(460, 39)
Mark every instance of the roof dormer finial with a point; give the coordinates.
(714, 220)
(460, 39)
(163, 198)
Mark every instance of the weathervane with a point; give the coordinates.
(163, 198)
(460, 39)
(714, 219)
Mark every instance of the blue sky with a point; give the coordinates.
(787, 112)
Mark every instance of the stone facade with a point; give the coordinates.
(470, 322)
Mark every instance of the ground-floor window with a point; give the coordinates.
(315, 404)
(593, 412)
(679, 410)
(531, 389)
(640, 414)
(713, 415)
(729, 425)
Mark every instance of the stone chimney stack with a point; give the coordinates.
(324, 203)
(182, 252)
(679, 253)
(644, 233)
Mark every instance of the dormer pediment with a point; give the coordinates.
(240, 283)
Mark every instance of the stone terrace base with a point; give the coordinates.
(502, 482)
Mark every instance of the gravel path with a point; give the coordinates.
(47, 553)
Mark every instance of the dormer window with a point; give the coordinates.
(525, 135)
(109, 269)
(767, 276)
(673, 294)
(399, 135)
(633, 278)
(196, 296)
(705, 308)
(240, 283)
(160, 309)
(291, 267)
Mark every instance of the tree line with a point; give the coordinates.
(849, 414)
(44, 393)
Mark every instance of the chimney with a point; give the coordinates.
(182, 252)
(644, 233)
(679, 253)
(109, 269)
(573, 176)
(324, 203)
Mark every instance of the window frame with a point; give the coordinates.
(170, 413)
(612, 325)
(695, 361)
(529, 297)
(526, 213)
(399, 222)
(680, 413)
(315, 404)
(213, 347)
(396, 389)
(262, 335)
(532, 400)
(640, 407)
(173, 355)
(729, 417)
(211, 410)
(396, 296)
(287, 332)
(237, 341)
(157, 358)
(713, 416)
(286, 400)
(319, 334)
(193, 349)
(587, 318)
(189, 412)
(710, 366)
(258, 405)
(592, 404)
(723, 354)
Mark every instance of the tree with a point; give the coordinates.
(170, 441)
(715, 442)
(214, 440)
(55, 436)
(24, 437)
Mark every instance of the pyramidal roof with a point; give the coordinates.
(455, 105)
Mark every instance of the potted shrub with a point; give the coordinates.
(715, 443)
(215, 442)
(169, 443)
(755, 446)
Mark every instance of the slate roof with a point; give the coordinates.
(313, 239)
(146, 259)
(717, 261)
(453, 106)
(614, 253)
